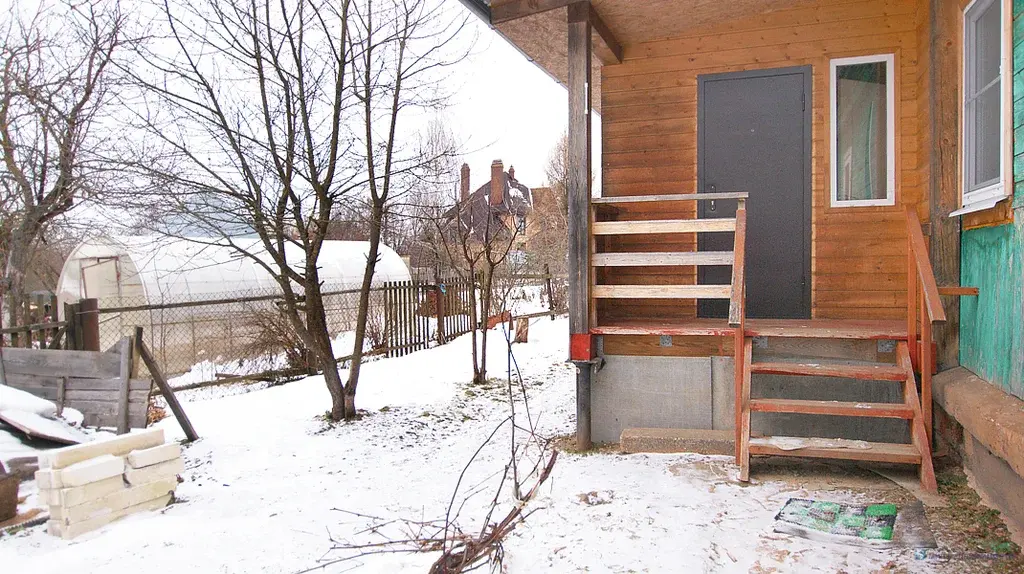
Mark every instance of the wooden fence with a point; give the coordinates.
(78, 332)
(99, 384)
(410, 307)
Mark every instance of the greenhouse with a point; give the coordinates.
(199, 302)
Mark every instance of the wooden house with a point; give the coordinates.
(790, 192)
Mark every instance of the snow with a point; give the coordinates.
(271, 483)
(12, 399)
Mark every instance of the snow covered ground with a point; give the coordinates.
(271, 483)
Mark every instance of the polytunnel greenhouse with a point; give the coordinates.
(198, 302)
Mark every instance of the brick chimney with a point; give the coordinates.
(464, 185)
(497, 182)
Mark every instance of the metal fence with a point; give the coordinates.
(248, 333)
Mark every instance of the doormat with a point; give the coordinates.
(860, 525)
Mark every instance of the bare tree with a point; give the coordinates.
(478, 237)
(55, 74)
(400, 47)
(246, 110)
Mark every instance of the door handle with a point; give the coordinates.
(711, 204)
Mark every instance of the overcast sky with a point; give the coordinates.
(505, 107)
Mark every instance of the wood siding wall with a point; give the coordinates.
(649, 113)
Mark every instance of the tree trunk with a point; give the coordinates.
(363, 314)
(485, 306)
(14, 275)
(474, 323)
(316, 324)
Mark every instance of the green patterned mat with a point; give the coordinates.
(871, 523)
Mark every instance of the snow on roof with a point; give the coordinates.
(187, 269)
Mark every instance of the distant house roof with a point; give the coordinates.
(475, 211)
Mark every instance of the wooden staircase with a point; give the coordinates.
(913, 348)
(923, 305)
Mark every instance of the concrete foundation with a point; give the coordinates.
(698, 393)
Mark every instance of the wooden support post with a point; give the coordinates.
(944, 102)
(125, 350)
(912, 303)
(547, 281)
(89, 321)
(165, 387)
(578, 172)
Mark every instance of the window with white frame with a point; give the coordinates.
(863, 131)
(984, 106)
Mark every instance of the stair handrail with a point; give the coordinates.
(737, 302)
(737, 316)
(924, 309)
(920, 264)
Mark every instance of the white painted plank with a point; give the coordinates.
(663, 226)
(662, 259)
(662, 291)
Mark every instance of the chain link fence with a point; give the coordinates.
(246, 332)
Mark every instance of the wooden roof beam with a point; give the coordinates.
(516, 9)
(605, 32)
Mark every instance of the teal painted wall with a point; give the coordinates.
(992, 323)
(992, 259)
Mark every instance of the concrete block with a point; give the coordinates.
(167, 469)
(68, 497)
(81, 473)
(118, 446)
(124, 498)
(155, 455)
(677, 440)
(67, 531)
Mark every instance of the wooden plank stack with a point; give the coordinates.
(90, 485)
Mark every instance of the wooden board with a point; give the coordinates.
(705, 327)
(36, 426)
(878, 452)
(661, 198)
(864, 372)
(662, 291)
(655, 259)
(838, 408)
(827, 328)
(663, 226)
(82, 364)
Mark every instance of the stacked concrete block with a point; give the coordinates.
(90, 485)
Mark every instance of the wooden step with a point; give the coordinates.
(837, 408)
(669, 197)
(863, 372)
(662, 259)
(662, 226)
(662, 291)
(874, 451)
(827, 328)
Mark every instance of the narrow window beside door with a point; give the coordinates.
(984, 105)
(863, 131)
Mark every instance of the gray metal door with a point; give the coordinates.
(754, 135)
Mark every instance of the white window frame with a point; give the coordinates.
(986, 197)
(890, 127)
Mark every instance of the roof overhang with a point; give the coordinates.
(539, 28)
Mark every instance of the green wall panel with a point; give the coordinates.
(991, 324)
(992, 259)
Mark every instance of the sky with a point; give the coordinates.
(520, 122)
